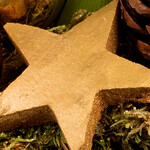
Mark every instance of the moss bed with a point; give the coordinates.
(122, 127)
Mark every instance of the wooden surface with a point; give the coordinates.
(67, 76)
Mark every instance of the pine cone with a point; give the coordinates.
(136, 14)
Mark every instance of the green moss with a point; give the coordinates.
(44, 137)
(123, 127)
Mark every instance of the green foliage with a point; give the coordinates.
(43, 13)
(38, 13)
(123, 127)
(76, 18)
(46, 137)
(73, 6)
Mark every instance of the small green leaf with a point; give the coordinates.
(137, 139)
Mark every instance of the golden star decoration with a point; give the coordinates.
(67, 76)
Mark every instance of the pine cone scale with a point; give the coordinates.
(136, 14)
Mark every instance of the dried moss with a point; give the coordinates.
(46, 137)
(124, 127)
